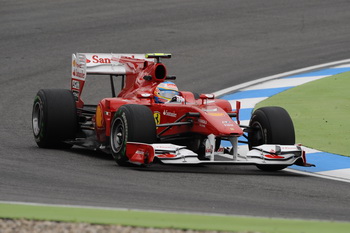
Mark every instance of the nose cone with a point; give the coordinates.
(216, 121)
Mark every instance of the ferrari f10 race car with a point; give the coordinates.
(136, 128)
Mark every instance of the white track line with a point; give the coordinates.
(284, 83)
(319, 175)
(289, 73)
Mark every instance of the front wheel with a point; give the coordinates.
(271, 125)
(131, 123)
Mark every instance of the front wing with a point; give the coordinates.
(285, 155)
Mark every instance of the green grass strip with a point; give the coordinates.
(168, 220)
(320, 111)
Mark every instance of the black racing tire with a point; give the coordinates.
(131, 123)
(271, 125)
(54, 118)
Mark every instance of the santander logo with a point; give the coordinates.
(97, 59)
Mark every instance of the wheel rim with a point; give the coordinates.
(117, 135)
(37, 118)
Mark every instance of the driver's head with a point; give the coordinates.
(165, 91)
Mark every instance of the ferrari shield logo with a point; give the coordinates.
(156, 116)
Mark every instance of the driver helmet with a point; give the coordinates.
(165, 91)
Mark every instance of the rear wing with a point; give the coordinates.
(104, 64)
(107, 63)
(119, 64)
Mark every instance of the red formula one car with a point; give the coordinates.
(137, 128)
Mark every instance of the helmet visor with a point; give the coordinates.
(168, 94)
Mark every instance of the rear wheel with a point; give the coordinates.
(54, 118)
(271, 125)
(131, 123)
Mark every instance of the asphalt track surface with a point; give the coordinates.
(215, 44)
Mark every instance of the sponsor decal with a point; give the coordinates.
(130, 63)
(171, 114)
(215, 113)
(166, 156)
(78, 75)
(114, 60)
(156, 116)
(99, 117)
(288, 148)
(221, 150)
(202, 121)
(140, 152)
(166, 147)
(210, 109)
(97, 59)
(171, 85)
(78, 67)
(227, 123)
(76, 95)
(274, 156)
(209, 149)
(145, 95)
(75, 84)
